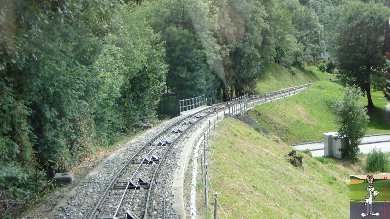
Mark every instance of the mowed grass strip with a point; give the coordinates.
(254, 179)
(305, 117)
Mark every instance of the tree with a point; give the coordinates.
(359, 38)
(352, 119)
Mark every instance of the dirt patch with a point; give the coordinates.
(10, 206)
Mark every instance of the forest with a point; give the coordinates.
(78, 75)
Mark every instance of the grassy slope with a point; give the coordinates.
(277, 77)
(305, 117)
(255, 180)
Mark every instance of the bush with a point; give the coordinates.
(322, 66)
(330, 67)
(352, 120)
(376, 161)
(21, 182)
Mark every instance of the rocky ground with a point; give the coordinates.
(85, 174)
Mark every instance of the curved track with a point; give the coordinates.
(139, 188)
(129, 193)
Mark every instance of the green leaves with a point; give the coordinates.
(376, 161)
(358, 41)
(352, 119)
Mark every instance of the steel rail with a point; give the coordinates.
(164, 158)
(165, 131)
(273, 95)
(120, 172)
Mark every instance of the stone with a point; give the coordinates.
(146, 125)
(65, 178)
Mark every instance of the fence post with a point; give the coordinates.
(233, 108)
(216, 205)
(241, 102)
(201, 162)
(204, 149)
(206, 192)
(209, 127)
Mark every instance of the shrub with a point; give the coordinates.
(352, 120)
(322, 66)
(376, 161)
(21, 182)
(330, 67)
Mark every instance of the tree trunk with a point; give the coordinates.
(367, 88)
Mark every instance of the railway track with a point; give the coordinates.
(129, 193)
(141, 186)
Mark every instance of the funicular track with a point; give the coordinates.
(128, 193)
(139, 189)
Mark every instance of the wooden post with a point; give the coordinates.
(204, 149)
(216, 205)
(201, 162)
(209, 127)
(206, 189)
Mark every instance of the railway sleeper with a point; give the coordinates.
(155, 159)
(143, 184)
(123, 185)
(164, 143)
(147, 161)
(129, 215)
(176, 131)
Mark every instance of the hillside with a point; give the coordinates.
(254, 179)
(305, 117)
(277, 77)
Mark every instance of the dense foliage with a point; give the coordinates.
(352, 120)
(76, 74)
(359, 41)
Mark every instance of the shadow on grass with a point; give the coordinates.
(377, 119)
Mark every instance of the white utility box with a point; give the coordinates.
(333, 145)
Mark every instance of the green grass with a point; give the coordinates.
(254, 179)
(305, 117)
(277, 77)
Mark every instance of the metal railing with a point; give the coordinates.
(192, 103)
(237, 105)
(204, 166)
